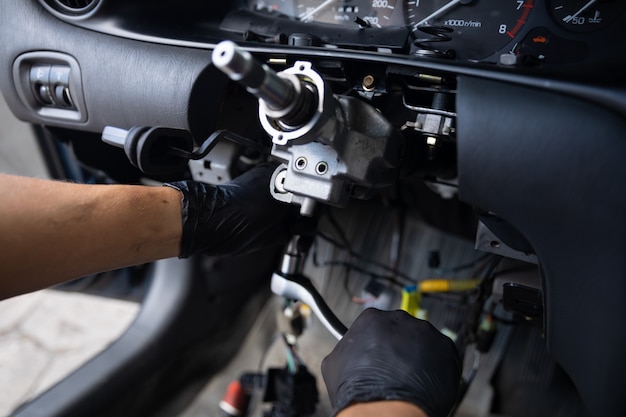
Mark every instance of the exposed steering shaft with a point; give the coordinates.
(286, 97)
(258, 78)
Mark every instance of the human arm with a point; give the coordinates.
(52, 231)
(390, 356)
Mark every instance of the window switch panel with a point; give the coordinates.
(49, 83)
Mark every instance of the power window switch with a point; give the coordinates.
(39, 80)
(62, 96)
(49, 85)
(40, 74)
(60, 75)
(44, 95)
(60, 85)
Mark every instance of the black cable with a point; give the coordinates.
(331, 240)
(364, 271)
(393, 271)
(346, 246)
(349, 265)
(346, 280)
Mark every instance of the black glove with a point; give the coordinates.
(238, 217)
(390, 355)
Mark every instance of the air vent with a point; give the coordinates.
(72, 7)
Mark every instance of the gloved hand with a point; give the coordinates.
(390, 355)
(238, 217)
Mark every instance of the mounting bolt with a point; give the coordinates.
(368, 83)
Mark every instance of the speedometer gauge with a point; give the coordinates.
(377, 13)
(373, 13)
(471, 29)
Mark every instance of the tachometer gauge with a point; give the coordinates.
(585, 15)
(377, 13)
(469, 29)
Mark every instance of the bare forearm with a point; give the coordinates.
(382, 408)
(53, 231)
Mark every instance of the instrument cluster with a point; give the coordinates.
(574, 39)
(503, 31)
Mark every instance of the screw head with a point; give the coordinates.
(369, 82)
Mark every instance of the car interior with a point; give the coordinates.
(462, 160)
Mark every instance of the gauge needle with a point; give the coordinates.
(440, 11)
(309, 14)
(571, 17)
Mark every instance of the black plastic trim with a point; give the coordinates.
(552, 166)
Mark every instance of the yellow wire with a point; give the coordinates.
(446, 285)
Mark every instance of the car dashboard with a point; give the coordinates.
(530, 43)
(564, 39)
(511, 109)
